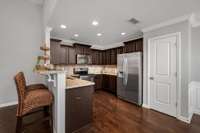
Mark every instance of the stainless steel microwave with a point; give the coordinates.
(83, 59)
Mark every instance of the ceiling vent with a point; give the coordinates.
(133, 21)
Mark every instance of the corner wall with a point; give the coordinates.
(195, 54)
(21, 36)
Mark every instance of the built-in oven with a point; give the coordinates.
(82, 59)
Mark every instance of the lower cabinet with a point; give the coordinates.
(78, 108)
(98, 81)
(109, 83)
(106, 82)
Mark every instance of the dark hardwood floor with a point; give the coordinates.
(110, 115)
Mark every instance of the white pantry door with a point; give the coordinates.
(163, 74)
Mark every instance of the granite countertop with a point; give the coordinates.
(72, 82)
(113, 74)
(50, 71)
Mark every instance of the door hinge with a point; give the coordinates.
(176, 104)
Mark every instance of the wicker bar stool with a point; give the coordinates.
(30, 98)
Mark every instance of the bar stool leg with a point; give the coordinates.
(51, 118)
(19, 125)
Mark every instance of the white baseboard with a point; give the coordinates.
(196, 111)
(185, 119)
(145, 106)
(193, 100)
(181, 118)
(8, 104)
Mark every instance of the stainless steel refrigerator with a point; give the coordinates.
(129, 77)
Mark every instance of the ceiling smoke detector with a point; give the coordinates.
(133, 21)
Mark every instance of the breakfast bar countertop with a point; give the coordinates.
(72, 82)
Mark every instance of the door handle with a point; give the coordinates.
(151, 78)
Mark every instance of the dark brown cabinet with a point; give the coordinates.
(109, 83)
(71, 55)
(96, 57)
(113, 56)
(62, 54)
(82, 49)
(134, 46)
(108, 57)
(98, 81)
(78, 108)
(56, 53)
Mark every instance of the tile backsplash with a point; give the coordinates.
(92, 69)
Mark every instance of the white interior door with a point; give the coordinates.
(163, 74)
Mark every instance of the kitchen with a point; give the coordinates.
(103, 63)
(99, 66)
(92, 67)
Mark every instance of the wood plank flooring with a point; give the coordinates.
(110, 115)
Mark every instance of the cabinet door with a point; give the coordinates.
(63, 58)
(93, 57)
(113, 82)
(130, 47)
(87, 51)
(78, 108)
(98, 82)
(120, 50)
(108, 57)
(100, 58)
(106, 82)
(71, 56)
(55, 53)
(113, 55)
(139, 45)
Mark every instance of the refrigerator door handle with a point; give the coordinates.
(125, 71)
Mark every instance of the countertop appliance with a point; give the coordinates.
(82, 73)
(82, 59)
(129, 77)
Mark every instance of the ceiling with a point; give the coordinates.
(113, 16)
(39, 2)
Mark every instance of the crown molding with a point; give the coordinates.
(96, 46)
(167, 23)
(195, 19)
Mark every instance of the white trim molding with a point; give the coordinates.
(194, 98)
(167, 23)
(185, 119)
(195, 19)
(145, 106)
(8, 104)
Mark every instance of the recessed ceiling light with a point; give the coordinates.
(63, 26)
(76, 35)
(95, 23)
(99, 34)
(123, 33)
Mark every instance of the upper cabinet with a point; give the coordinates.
(133, 46)
(66, 55)
(82, 49)
(55, 52)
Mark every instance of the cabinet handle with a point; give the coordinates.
(78, 98)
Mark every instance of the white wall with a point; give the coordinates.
(182, 27)
(20, 38)
(195, 54)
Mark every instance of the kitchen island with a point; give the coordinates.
(72, 106)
